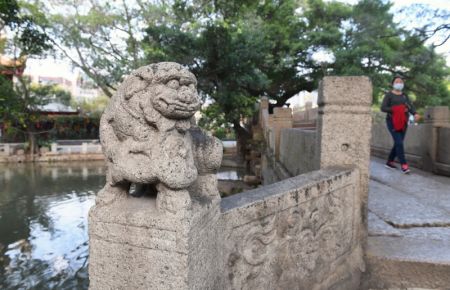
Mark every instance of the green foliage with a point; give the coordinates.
(8, 96)
(29, 38)
(52, 128)
(372, 44)
(50, 93)
(102, 38)
(20, 109)
(242, 50)
(238, 50)
(92, 107)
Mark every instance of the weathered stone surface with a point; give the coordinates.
(295, 234)
(403, 210)
(378, 227)
(424, 186)
(150, 138)
(439, 115)
(135, 246)
(345, 124)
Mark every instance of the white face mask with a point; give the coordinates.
(398, 86)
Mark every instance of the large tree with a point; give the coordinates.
(102, 38)
(371, 43)
(241, 50)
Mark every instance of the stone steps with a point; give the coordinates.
(409, 231)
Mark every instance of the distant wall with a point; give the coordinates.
(298, 150)
(305, 117)
(382, 142)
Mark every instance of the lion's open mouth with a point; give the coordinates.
(175, 108)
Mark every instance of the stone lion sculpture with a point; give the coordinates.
(149, 136)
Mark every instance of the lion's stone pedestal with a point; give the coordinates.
(150, 140)
(137, 247)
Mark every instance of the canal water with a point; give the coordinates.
(43, 223)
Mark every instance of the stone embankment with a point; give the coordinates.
(60, 151)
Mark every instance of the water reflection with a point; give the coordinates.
(43, 224)
(231, 173)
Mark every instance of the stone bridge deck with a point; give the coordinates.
(409, 229)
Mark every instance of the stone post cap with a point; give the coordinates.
(264, 103)
(280, 112)
(348, 90)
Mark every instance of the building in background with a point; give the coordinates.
(85, 89)
(77, 83)
(12, 67)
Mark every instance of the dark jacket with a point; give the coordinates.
(390, 99)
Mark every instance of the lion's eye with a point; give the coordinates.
(173, 84)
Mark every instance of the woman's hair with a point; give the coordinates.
(397, 77)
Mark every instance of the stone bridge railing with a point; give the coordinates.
(426, 145)
(304, 232)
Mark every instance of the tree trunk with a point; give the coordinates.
(242, 138)
(32, 143)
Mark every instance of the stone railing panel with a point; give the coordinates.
(443, 149)
(296, 232)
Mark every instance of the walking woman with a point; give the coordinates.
(398, 107)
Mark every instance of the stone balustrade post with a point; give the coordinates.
(7, 149)
(344, 133)
(434, 118)
(263, 111)
(282, 119)
(84, 148)
(438, 116)
(54, 147)
(155, 223)
(308, 108)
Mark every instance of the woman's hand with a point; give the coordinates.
(416, 117)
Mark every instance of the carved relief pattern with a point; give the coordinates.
(286, 247)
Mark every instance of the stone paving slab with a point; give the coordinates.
(430, 189)
(432, 233)
(403, 210)
(411, 249)
(377, 227)
(409, 230)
